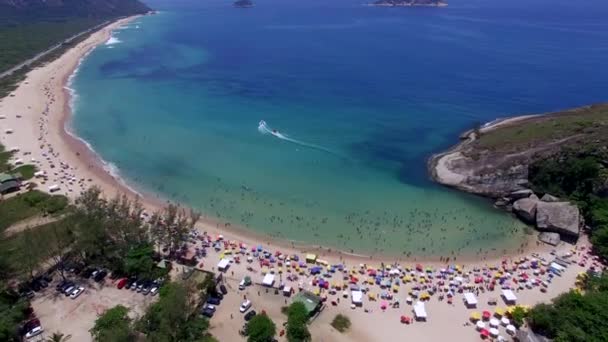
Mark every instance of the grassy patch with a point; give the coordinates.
(591, 122)
(26, 171)
(27, 205)
(341, 323)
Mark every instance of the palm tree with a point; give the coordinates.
(58, 337)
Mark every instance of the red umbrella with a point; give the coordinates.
(405, 320)
(419, 267)
(484, 333)
(486, 315)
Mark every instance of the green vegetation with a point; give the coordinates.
(29, 204)
(174, 317)
(58, 337)
(582, 178)
(21, 42)
(113, 325)
(590, 124)
(13, 310)
(108, 233)
(518, 315)
(26, 171)
(574, 316)
(260, 329)
(341, 323)
(297, 319)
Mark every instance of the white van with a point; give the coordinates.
(245, 306)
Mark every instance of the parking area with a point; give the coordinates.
(75, 316)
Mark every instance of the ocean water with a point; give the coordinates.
(354, 100)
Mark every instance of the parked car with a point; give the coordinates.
(100, 276)
(219, 295)
(122, 283)
(89, 272)
(130, 283)
(207, 313)
(209, 307)
(154, 291)
(140, 286)
(249, 315)
(223, 289)
(68, 291)
(34, 332)
(214, 301)
(62, 286)
(245, 306)
(77, 292)
(31, 324)
(146, 288)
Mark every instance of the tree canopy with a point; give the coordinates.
(113, 325)
(575, 316)
(261, 329)
(297, 319)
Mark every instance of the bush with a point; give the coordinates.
(341, 323)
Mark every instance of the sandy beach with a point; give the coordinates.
(38, 112)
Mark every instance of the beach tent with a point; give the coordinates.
(311, 258)
(420, 311)
(268, 280)
(470, 300)
(223, 265)
(509, 297)
(53, 188)
(356, 297)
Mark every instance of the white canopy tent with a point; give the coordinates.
(268, 280)
(470, 300)
(420, 311)
(356, 297)
(509, 297)
(223, 264)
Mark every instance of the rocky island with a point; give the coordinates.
(243, 4)
(550, 170)
(409, 3)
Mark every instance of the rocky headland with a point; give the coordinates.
(494, 160)
(409, 3)
(243, 4)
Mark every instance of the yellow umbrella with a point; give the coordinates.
(475, 316)
(499, 312)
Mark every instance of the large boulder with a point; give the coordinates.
(558, 217)
(525, 208)
(550, 238)
(549, 198)
(515, 195)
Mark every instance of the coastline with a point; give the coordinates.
(49, 120)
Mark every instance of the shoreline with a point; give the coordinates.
(85, 164)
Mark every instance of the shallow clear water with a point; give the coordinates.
(359, 98)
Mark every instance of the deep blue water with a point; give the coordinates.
(175, 106)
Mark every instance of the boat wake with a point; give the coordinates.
(265, 129)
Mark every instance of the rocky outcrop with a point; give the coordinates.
(559, 217)
(525, 208)
(549, 198)
(515, 195)
(549, 238)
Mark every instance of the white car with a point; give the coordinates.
(153, 291)
(69, 290)
(34, 332)
(245, 306)
(77, 292)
